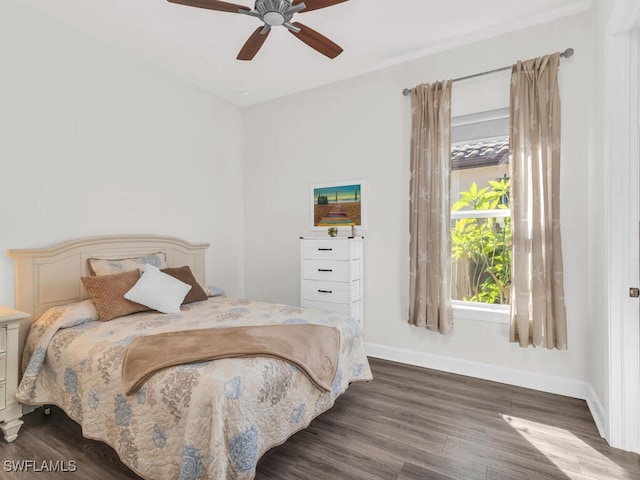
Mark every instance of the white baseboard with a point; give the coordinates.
(494, 373)
(28, 409)
(597, 412)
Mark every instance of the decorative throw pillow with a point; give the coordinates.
(108, 292)
(184, 274)
(102, 266)
(214, 291)
(158, 291)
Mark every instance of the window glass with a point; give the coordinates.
(480, 215)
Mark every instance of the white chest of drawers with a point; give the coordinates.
(331, 274)
(10, 409)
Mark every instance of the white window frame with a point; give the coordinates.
(483, 312)
(478, 311)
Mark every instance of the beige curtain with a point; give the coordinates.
(537, 294)
(430, 243)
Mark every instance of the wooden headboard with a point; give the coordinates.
(47, 277)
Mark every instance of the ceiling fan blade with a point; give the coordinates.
(212, 5)
(317, 4)
(253, 44)
(317, 41)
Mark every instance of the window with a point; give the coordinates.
(480, 215)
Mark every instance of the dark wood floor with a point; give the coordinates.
(408, 424)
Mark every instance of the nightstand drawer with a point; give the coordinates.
(3, 368)
(336, 249)
(335, 292)
(3, 396)
(3, 339)
(331, 270)
(347, 309)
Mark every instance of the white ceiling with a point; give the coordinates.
(201, 45)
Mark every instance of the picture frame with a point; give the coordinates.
(338, 204)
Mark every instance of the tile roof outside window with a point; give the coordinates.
(480, 153)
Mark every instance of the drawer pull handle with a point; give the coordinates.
(325, 291)
(325, 270)
(325, 249)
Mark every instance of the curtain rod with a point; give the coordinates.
(566, 54)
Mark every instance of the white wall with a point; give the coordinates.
(598, 360)
(359, 128)
(93, 142)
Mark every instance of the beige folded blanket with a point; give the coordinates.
(313, 348)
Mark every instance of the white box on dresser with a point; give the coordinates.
(10, 409)
(331, 274)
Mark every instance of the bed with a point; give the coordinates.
(209, 419)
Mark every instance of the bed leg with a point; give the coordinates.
(46, 410)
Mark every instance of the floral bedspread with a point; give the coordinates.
(210, 420)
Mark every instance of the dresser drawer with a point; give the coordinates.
(3, 396)
(347, 309)
(3, 367)
(331, 270)
(3, 339)
(335, 292)
(337, 249)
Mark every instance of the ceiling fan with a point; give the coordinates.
(275, 13)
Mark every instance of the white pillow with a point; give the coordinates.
(158, 291)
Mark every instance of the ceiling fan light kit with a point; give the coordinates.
(275, 13)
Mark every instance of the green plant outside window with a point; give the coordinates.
(481, 247)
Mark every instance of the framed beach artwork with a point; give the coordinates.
(338, 204)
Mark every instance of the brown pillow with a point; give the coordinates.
(108, 292)
(184, 274)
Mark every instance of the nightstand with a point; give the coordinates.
(10, 409)
(331, 274)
